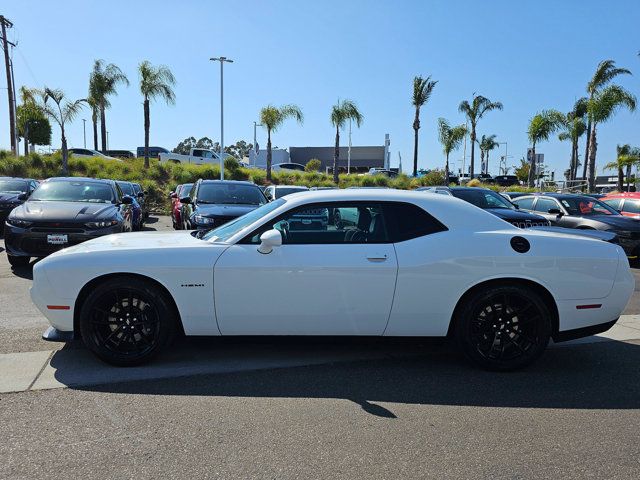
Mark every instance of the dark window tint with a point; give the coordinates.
(524, 203)
(12, 186)
(482, 198)
(126, 188)
(407, 221)
(544, 204)
(281, 192)
(329, 223)
(230, 194)
(631, 206)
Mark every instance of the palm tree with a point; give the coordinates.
(422, 89)
(450, 138)
(541, 127)
(605, 72)
(572, 129)
(95, 109)
(102, 83)
(486, 144)
(340, 113)
(154, 82)
(624, 158)
(272, 118)
(62, 111)
(475, 111)
(600, 108)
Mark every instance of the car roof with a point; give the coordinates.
(228, 182)
(80, 179)
(622, 195)
(451, 211)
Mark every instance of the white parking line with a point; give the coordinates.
(78, 367)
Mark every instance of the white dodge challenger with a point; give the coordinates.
(383, 263)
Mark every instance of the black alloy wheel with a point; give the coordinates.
(127, 321)
(504, 328)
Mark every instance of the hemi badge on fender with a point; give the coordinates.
(584, 307)
(58, 307)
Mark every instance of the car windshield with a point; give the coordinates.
(126, 188)
(281, 192)
(230, 194)
(186, 190)
(228, 230)
(13, 186)
(586, 206)
(483, 198)
(74, 191)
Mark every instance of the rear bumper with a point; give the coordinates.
(583, 332)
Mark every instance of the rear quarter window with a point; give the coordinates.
(407, 221)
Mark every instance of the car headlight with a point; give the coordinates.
(18, 223)
(103, 224)
(204, 220)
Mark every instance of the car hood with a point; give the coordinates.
(618, 222)
(509, 215)
(8, 197)
(224, 210)
(136, 241)
(47, 211)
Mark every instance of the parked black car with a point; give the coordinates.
(585, 212)
(65, 211)
(493, 203)
(13, 193)
(140, 197)
(212, 203)
(506, 180)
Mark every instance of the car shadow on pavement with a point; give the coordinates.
(603, 375)
(25, 271)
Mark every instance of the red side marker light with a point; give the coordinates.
(585, 307)
(58, 307)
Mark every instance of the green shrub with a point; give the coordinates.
(313, 165)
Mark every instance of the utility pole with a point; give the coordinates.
(84, 131)
(349, 151)
(255, 142)
(222, 60)
(5, 23)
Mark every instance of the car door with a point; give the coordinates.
(333, 280)
(542, 207)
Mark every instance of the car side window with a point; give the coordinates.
(545, 204)
(631, 206)
(119, 193)
(615, 203)
(524, 203)
(407, 221)
(329, 223)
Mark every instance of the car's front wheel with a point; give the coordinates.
(127, 321)
(503, 327)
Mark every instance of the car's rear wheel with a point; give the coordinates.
(18, 261)
(503, 327)
(127, 321)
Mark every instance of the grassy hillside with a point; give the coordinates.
(160, 179)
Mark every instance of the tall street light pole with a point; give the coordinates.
(255, 142)
(505, 155)
(84, 131)
(221, 60)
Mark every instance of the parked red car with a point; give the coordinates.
(627, 203)
(176, 206)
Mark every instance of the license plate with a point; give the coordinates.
(57, 239)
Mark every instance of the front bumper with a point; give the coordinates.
(32, 241)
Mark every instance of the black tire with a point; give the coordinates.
(127, 321)
(18, 261)
(503, 328)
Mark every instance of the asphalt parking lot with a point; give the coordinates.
(320, 409)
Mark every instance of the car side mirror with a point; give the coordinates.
(517, 206)
(185, 200)
(554, 211)
(23, 196)
(269, 240)
(127, 200)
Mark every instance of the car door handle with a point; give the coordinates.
(377, 258)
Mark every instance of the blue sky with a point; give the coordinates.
(530, 55)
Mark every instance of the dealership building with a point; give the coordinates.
(363, 158)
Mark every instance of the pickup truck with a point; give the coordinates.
(197, 156)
